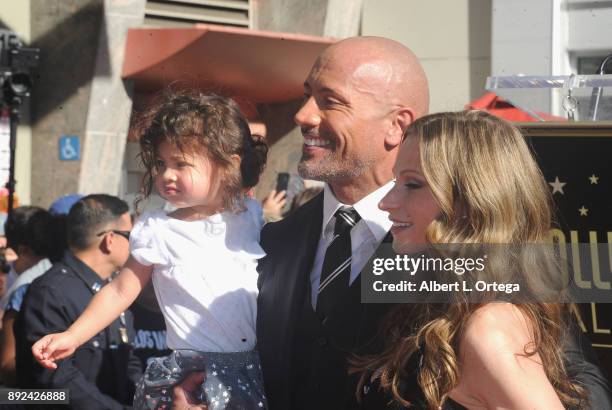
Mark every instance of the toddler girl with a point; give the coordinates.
(199, 154)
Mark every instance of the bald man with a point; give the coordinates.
(359, 97)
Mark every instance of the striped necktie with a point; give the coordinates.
(336, 271)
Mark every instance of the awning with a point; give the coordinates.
(503, 109)
(257, 66)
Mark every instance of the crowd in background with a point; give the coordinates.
(41, 250)
(35, 243)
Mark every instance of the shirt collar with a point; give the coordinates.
(89, 276)
(376, 220)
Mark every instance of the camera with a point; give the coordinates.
(16, 62)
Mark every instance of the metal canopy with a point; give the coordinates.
(258, 66)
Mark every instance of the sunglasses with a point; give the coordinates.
(125, 234)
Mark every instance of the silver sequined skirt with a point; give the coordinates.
(233, 380)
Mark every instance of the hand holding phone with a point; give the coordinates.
(282, 181)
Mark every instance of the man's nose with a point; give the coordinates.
(309, 115)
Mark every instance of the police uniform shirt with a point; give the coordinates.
(102, 373)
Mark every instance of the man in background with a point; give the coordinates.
(29, 232)
(103, 372)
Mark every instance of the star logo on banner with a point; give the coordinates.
(594, 179)
(583, 211)
(557, 186)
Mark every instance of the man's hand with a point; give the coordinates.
(273, 205)
(183, 394)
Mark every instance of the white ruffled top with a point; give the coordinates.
(204, 275)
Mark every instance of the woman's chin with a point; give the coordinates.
(408, 248)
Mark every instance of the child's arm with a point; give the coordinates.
(105, 307)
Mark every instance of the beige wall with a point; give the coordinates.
(451, 37)
(17, 18)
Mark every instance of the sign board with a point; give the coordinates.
(69, 148)
(575, 160)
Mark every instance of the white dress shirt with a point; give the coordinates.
(366, 236)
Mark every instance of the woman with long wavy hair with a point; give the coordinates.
(469, 177)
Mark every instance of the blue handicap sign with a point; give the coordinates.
(69, 148)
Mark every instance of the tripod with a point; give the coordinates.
(15, 84)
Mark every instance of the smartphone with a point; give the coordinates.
(282, 181)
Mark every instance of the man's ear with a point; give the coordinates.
(235, 158)
(401, 120)
(106, 245)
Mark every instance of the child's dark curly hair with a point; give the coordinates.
(197, 122)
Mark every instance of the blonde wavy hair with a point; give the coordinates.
(482, 163)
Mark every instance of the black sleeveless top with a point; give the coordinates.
(373, 397)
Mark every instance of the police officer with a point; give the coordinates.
(102, 373)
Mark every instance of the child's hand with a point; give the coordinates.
(54, 347)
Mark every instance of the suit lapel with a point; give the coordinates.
(300, 256)
(287, 268)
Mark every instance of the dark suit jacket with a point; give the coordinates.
(284, 290)
(290, 245)
(283, 328)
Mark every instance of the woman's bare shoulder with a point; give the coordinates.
(495, 327)
(497, 362)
